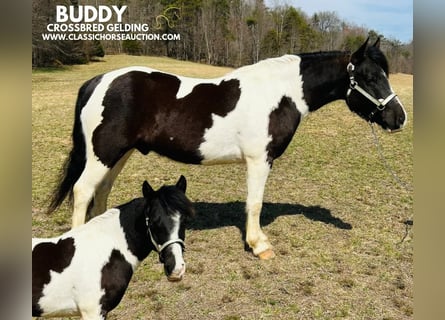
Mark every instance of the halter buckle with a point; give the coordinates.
(350, 67)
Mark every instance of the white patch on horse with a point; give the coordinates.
(404, 112)
(176, 248)
(244, 132)
(187, 85)
(399, 102)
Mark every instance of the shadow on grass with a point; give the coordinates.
(216, 215)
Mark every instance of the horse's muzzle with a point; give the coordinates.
(176, 275)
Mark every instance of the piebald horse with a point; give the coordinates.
(248, 115)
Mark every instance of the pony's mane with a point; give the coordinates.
(170, 197)
(378, 57)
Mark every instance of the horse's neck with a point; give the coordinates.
(325, 78)
(132, 220)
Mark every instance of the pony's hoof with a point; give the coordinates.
(266, 255)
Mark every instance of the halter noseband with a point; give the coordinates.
(353, 85)
(160, 247)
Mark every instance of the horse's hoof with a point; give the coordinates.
(266, 255)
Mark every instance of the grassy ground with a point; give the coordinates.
(334, 214)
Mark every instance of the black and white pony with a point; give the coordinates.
(249, 115)
(87, 270)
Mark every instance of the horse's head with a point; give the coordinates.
(165, 214)
(370, 95)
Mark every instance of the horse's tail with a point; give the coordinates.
(75, 162)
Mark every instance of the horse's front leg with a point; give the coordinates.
(257, 173)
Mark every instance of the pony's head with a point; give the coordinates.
(165, 214)
(370, 95)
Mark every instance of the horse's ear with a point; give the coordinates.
(377, 43)
(359, 55)
(182, 183)
(147, 190)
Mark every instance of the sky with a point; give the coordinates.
(391, 18)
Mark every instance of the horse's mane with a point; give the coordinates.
(373, 53)
(170, 197)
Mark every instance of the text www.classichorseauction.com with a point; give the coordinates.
(93, 23)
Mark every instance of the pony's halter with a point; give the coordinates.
(353, 85)
(160, 247)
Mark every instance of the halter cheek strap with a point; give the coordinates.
(353, 85)
(160, 247)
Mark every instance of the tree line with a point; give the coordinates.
(217, 32)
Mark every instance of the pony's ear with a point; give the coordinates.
(147, 190)
(377, 43)
(182, 183)
(359, 55)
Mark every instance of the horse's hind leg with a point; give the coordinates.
(104, 187)
(257, 173)
(85, 188)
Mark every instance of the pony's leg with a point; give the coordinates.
(85, 187)
(104, 188)
(257, 173)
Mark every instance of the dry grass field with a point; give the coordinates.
(336, 217)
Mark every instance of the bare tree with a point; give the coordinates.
(329, 25)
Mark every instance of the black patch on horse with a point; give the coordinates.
(116, 275)
(132, 220)
(46, 257)
(142, 111)
(321, 82)
(283, 121)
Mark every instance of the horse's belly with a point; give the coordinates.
(221, 161)
(220, 153)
